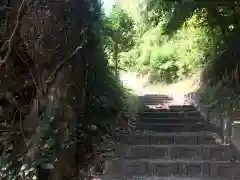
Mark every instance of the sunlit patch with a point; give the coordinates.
(164, 105)
(97, 179)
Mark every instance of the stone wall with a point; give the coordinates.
(227, 126)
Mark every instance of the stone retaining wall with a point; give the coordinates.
(228, 127)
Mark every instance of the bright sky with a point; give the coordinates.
(107, 4)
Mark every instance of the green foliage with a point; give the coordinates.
(121, 29)
(86, 93)
(220, 99)
(131, 103)
(175, 38)
(222, 19)
(133, 8)
(167, 59)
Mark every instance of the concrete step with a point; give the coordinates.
(172, 127)
(187, 138)
(190, 152)
(146, 103)
(173, 178)
(181, 168)
(155, 101)
(162, 97)
(147, 109)
(172, 120)
(169, 114)
(115, 177)
(181, 106)
(121, 177)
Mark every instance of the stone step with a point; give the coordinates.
(172, 138)
(182, 168)
(155, 95)
(147, 109)
(169, 114)
(172, 120)
(174, 178)
(173, 151)
(172, 127)
(114, 177)
(179, 150)
(146, 103)
(154, 102)
(181, 106)
(156, 98)
(163, 97)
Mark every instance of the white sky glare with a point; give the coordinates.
(107, 5)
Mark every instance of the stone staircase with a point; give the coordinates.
(173, 143)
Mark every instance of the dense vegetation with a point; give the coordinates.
(59, 65)
(174, 39)
(59, 99)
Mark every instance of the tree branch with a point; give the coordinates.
(10, 41)
(59, 66)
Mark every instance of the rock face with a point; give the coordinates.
(178, 145)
